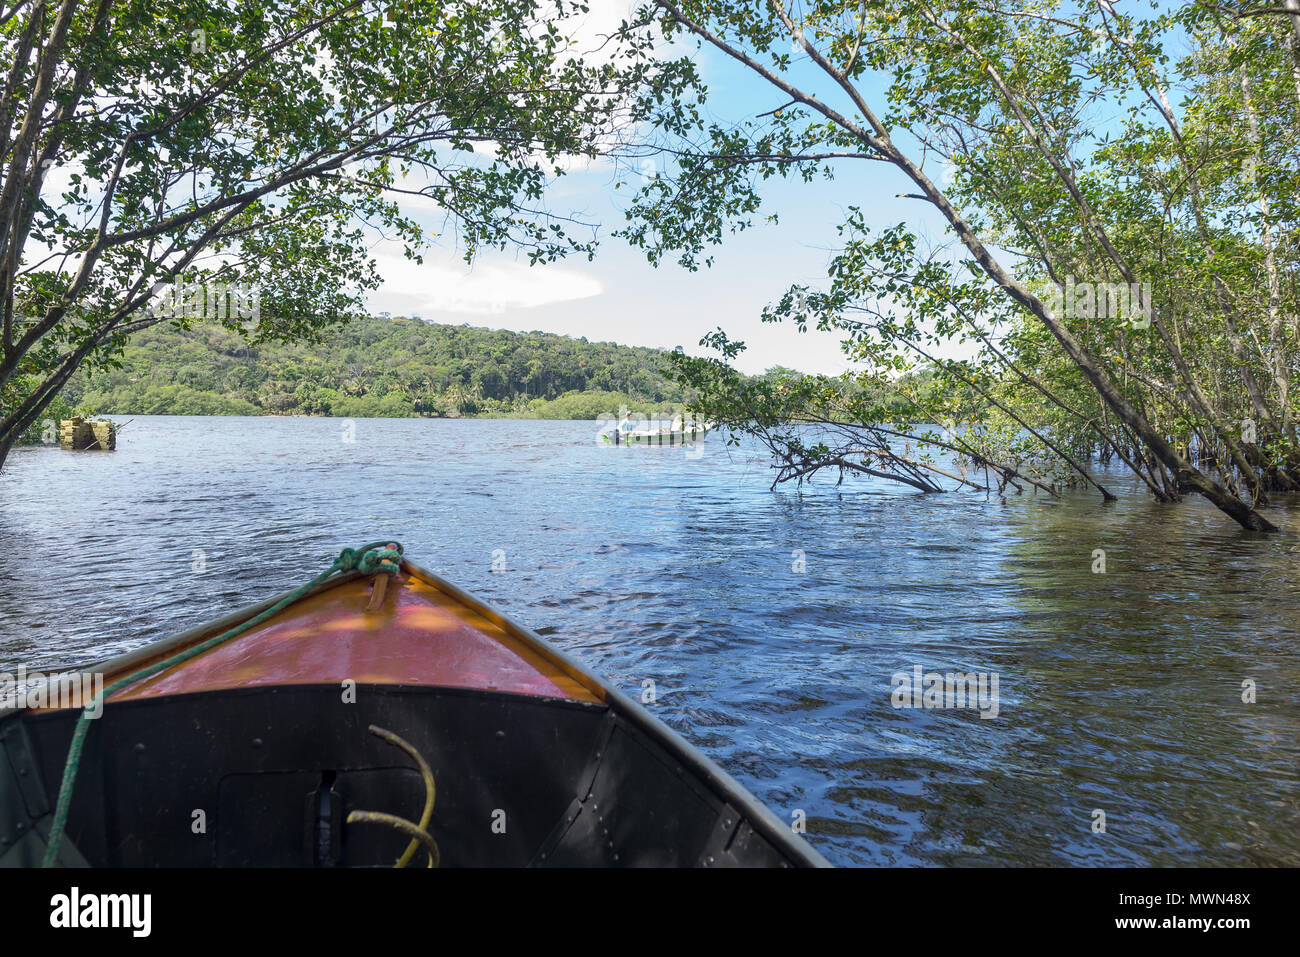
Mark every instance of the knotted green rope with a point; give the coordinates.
(377, 557)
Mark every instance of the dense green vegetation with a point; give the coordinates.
(376, 367)
(1119, 189)
(260, 145)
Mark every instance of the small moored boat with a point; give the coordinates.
(678, 432)
(379, 715)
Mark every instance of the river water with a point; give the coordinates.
(771, 623)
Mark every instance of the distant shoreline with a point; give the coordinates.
(376, 368)
(665, 408)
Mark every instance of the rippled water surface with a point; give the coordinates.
(1119, 691)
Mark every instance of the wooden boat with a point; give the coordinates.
(317, 736)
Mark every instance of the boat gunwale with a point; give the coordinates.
(158, 648)
(760, 817)
(382, 687)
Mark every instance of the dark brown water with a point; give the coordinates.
(1119, 692)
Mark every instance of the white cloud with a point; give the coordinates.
(444, 284)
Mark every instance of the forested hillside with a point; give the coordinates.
(376, 367)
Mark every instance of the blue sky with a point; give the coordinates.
(619, 297)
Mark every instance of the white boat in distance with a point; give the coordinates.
(678, 432)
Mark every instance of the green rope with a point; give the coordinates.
(377, 557)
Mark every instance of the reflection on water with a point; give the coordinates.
(1118, 691)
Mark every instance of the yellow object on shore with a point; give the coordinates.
(80, 435)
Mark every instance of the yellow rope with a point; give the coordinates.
(418, 832)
